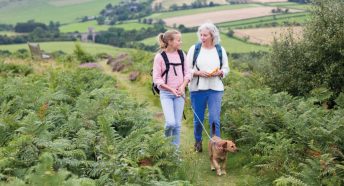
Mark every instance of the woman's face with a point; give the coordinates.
(176, 42)
(206, 36)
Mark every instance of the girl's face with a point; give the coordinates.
(206, 37)
(176, 42)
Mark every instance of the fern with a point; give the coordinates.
(284, 181)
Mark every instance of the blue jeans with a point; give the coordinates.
(199, 101)
(172, 107)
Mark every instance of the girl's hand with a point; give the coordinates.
(181, 90)
(175, 92)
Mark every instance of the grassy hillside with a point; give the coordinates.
(232, 45)
(82, 27)
(68, 47)
(199, 10)
(50, 10)
(290, 5)
(296, 17)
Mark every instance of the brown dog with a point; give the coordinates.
(218, 150)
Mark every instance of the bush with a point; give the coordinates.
(81, 55)
(317, 60)
(15, 69)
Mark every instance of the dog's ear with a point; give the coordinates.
(224, 145)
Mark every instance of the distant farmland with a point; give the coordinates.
(221, 16)
(64, 11)
(232, 45)
(266, 35)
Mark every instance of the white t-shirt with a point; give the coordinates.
(207, 60)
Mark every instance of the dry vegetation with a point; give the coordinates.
(266, 35)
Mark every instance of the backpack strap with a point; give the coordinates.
(196, 53)
(219, 52)
(167, 64)
(181, 55)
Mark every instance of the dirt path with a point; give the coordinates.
(195, 166)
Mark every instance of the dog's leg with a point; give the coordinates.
(223, 168)
(212, 168)
(210, 150)
(217, 167)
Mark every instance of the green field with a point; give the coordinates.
(51, 10)
(199, 10)
(296, 17)
(232, 45)
(83, 27)
(290, 5)
(2, 33)
(68, 47)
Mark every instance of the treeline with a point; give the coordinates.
(300, 1)
(128, 39)
(193, 5)
(124, 11)
(35, 31)
(6, 27)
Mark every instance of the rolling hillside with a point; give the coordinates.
(68, 47)
(64, 11)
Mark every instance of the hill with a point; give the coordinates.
(68, 47)
(64, 11)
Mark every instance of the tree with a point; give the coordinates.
(317, 60)
(100, 20)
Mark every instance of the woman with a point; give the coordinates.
(208, 63)
(171, 75)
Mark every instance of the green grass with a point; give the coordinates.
(231, 45)
(290, 5)
(45, 10)
(68, 47)
(164, 15)
(296, 17)
(2, 33)
(132, 26)
(83, 27)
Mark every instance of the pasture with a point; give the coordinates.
(64, 11)
(8, 33)
(83, 27)
(254, 22)
(68, 47)
(221, 16)
(266, 36)
(232, 45)
(169, 14)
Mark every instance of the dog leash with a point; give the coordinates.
(199, 120)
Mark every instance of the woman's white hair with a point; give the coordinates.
(214, 31)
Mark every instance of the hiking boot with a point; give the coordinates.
(198, 146)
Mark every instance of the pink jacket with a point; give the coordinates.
(173, 80)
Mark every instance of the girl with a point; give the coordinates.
(171, 75)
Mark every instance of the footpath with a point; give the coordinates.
(196, 166)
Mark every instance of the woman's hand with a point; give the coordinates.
(201, 73)
(218, 73)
